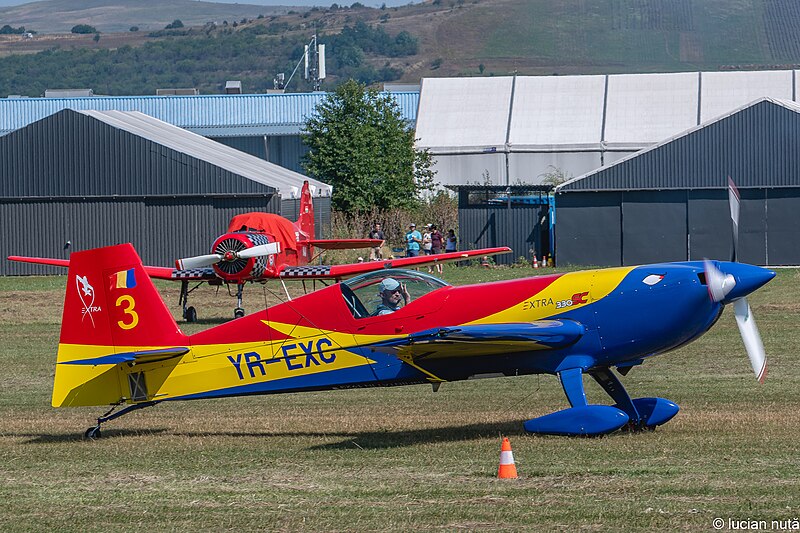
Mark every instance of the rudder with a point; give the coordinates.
(112, 310)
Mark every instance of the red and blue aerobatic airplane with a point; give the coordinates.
(119, 344)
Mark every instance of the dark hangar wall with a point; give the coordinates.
(670, 203)
(71, 177)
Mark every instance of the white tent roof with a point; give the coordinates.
(645, 108)
(557, 110)
(723, 91)
(286, 181)
(621, 112)
(464, 113)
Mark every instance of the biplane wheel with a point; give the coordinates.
(93, 433)
(238, 312)
(190, 315)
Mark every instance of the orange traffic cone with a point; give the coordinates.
(507, 470)
(535, 262)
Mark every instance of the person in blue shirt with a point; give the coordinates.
(413, 240)
(392, 292)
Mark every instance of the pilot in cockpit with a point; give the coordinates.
(392, 292)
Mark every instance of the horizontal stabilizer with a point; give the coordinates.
(484, 339)
(193, 274)
(139, 357)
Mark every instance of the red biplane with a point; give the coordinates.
(263, 246)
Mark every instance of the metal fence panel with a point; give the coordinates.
(589, 229)
(783, 227)
(753, 227)
(654, 227)
(710, 230)
(518, 227)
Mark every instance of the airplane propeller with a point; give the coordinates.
(201, 261)
(721, 286)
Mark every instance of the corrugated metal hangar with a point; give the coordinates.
(516, 130)
(670, 203)
(511, 130)
(264, 125)
(94, 178)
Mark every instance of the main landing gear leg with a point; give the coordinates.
(582, 419)
(644, 413)
(189, 313)
(94, 431)
(239, 311)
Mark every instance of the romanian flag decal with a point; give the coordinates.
(124, 279)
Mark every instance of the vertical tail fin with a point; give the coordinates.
(305, 222)
(112, 314)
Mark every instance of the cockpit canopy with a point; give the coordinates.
(362, 293)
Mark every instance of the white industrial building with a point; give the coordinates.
(517, 129)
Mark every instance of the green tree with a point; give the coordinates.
(359, 142)
(83, 28)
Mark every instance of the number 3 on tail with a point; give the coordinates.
(126, 298)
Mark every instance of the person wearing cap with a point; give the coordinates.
(391, 292)
(413, 240)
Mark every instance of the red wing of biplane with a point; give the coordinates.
(353, 269)
(344, 244)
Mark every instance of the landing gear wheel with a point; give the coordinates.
(190, 315)
(93, 433)
(238, 312)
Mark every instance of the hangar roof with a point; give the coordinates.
(755, 144)
(620, 112)
(286, 181)
(209, 115)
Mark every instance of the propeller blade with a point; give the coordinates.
(751, 338)
(260, 250)
(719, 284)
(197, 262)
(734, 200)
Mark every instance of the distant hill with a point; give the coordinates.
(430, 39)
(53, 16)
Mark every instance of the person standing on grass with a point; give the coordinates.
(437, 239)
(450, 243)
(375, 252)
(426, 240)
(413, 240)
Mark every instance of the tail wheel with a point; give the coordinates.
(190, 315)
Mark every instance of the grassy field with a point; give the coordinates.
(402, 459)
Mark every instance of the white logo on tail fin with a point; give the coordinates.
(86, 294)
